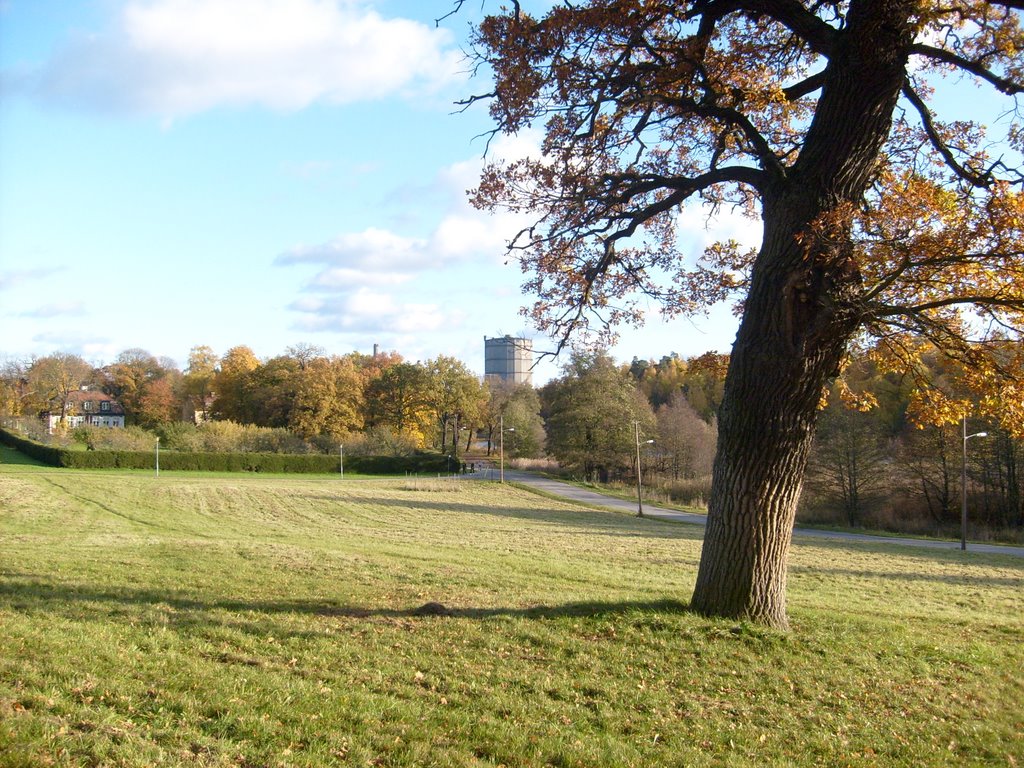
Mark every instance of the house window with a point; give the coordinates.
(87, 405)
(105, 405)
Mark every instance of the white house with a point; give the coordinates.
(85, 406)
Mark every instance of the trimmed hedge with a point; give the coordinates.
(419, 463)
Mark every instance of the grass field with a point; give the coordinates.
(265, 621)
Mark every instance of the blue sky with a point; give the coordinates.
(176, 173)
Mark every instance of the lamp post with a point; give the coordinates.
(963, 486)
(501, 445)
(158, 457)
(341, 460)
(639, 485)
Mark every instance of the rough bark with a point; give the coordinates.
(799, 315)
(779, 367)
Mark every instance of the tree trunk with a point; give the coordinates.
(780, 364)
(799, 315)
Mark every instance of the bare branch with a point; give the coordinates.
(808, 85)
(1004, 84)
(978, 180)
(987, 301)
(458, 7)
(791, 14)
(647, 183)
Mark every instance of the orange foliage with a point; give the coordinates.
(650, 105)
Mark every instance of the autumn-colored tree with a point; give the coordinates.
(457, 398)
(304, 354)
(158, 403)
(197, 382)
(128, 378)
(686, 443)
(52, 379)
(371, 366)
(232, 385)
(662, 380)
(328, 399)
(13, 387)
(397, 399)
(271, 391)
(879, 218)
(704, 383)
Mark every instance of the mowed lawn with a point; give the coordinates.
(310, 621)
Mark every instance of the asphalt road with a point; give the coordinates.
(582, 495)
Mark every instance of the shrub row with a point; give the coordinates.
(419, 463)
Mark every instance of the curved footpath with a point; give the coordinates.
(591, 498)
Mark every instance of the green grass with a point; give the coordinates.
(11, 456)
(252, 621)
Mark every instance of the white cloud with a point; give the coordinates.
(469, 232)
(57, 309)
(367, 303)
(366, 311)
(16, 277)
(420, 318)
(375, 280)
(178, 57)
(346, 279)
(370, 250)
(87, 346)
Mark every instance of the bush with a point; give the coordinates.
(689, 492)
(231, 437)
(380, 441)
(107, 439)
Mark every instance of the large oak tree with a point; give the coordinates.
(881, 219)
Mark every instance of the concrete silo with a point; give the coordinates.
(509, 358)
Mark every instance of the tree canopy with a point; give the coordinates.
(592, 415)
(649, 105)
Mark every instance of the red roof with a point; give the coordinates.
(79, 396)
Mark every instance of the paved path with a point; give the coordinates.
(582, 495)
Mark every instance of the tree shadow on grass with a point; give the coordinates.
(25, 593)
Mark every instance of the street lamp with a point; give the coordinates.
(501, 444)
(341, 460)
(963, 485)
(639, 485)
(158, 457)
